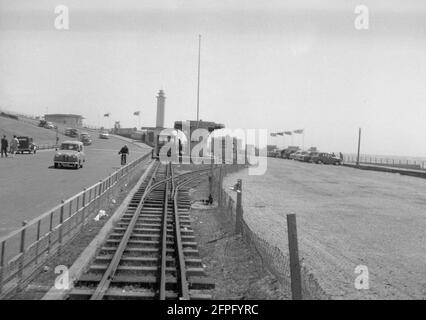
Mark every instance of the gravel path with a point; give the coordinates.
(346, 217)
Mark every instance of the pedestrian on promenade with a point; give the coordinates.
(14, 143)
(341, 156)
(4, 146)
(124, 151)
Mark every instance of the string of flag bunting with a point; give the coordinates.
(289, 133)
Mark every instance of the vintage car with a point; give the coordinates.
(71, 132)
(49, 125)
(286, 153)
(299, 155)
(85, 138)
(104, 135)
(326, 158)
(70, 154)
(68, 131)
(274, 153)
(26, 145)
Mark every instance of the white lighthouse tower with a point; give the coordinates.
(161, 103)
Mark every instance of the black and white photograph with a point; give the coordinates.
(214, 154)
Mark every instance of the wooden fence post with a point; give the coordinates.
(219, 193)
(239, 209)
(296, 281)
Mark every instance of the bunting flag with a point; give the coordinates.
(273, 134)
(136, 113)
(280, 133)
(299, 131)
(106, 115)
(288, 133)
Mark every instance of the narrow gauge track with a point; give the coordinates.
(151, 252)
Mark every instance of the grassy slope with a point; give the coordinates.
(11, 127)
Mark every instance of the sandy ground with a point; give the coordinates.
(30, 185)
(237, 272)
(345, 218)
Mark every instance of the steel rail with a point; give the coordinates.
(185, 182)
(181, 275)
(112, 267)
(163, 265)
(179, 176)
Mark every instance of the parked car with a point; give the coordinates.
(299, 155)
(68, 131)
(42, 123)
(326, 158)
(104, 135)
(311, 155)
(285, 154)
(49, 125)
(71, 132)
(26, 145)
(307, 156)
(274, 153)
(85, 138)
(70, 154)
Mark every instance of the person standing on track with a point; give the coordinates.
(4, 146)
(124, 151)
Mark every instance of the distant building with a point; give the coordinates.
(68, 120)
(193, 125)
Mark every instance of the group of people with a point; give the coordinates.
(12, 147)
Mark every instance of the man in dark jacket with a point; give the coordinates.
(4, 146)
(124, 151)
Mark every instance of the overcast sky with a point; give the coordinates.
(278, 65)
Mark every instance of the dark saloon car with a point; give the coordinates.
(325, 158)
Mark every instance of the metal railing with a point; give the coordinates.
(26, 249)
(388, 162)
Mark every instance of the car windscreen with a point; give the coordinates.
(69, 146)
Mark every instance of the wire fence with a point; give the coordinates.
(273, 258)
(387, 162)
(25, 250)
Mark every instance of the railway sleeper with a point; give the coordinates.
(194, 283)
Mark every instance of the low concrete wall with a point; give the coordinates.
(406, 172)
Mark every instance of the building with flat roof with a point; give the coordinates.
(68, 120)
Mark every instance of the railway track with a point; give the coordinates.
(151, 252)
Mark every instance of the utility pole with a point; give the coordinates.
(198, 85)
(359, 146)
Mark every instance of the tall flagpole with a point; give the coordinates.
(198, 85)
